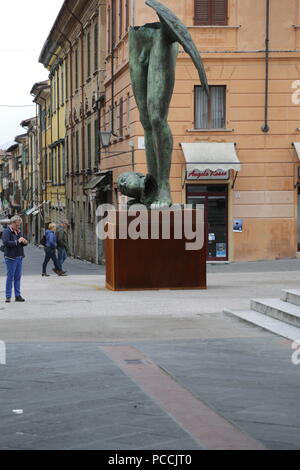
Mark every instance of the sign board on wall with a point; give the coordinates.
(238, 225)
(195, 174)
(141, 143)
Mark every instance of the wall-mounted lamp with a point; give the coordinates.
(105, 138)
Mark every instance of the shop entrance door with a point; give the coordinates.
(215, 200)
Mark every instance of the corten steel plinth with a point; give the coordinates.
(151, 264)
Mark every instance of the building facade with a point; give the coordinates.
(233, 152)
(74, 55)
(236, 152)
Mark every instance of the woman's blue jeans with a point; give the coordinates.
(50, 254)
(14, 274)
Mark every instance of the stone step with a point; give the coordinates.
(267, 323)
(291, 296)
(278, 309)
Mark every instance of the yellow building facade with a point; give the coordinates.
(54, 167)
(74, 53)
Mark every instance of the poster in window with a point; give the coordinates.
(238, 225)
(220, 250)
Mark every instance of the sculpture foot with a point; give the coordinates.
(162, 203)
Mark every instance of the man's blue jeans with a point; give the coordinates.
(14, 274)
(61, 256)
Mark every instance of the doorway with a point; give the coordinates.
(214, 197)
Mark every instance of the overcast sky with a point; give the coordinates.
(25, 25)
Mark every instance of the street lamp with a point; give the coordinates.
(105, 138)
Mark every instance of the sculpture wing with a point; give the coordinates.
(178, 32)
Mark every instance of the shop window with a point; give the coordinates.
(211, 12)
(214, 198)
(210, 111)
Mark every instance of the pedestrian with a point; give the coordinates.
(14, 243)
(50, 247)
(62, 242)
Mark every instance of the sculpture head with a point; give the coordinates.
(138, 186)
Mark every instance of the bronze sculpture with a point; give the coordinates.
(153, 51)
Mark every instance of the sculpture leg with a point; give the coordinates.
(161, 79)
(139, 80)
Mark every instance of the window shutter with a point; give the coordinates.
(202, 12)
(211, 12)
(121, 118)
(114, 23)
(127, 7)
(219, 12)
(120, 18)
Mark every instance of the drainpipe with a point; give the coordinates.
(265, 128)
(113, 25)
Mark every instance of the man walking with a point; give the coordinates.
(14, 243)
(50, 247)
(62, 242)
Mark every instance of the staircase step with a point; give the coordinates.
(267, 323)
(291, 295)
(277, 309)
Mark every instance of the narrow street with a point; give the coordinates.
(94, 369)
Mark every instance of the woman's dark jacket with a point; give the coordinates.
(12, 248)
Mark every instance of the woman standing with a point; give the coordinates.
(14, 243)
(50, 247)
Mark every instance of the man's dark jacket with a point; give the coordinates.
(62, 238)
(12, 248)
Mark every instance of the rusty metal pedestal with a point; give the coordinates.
(153, 264)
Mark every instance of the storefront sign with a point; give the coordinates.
(207, 174)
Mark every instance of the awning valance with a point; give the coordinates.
(214, 156)
(30, 211)
(297, 148)
(98, 181)
(34, 210)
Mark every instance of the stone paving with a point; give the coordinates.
(74, 395)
